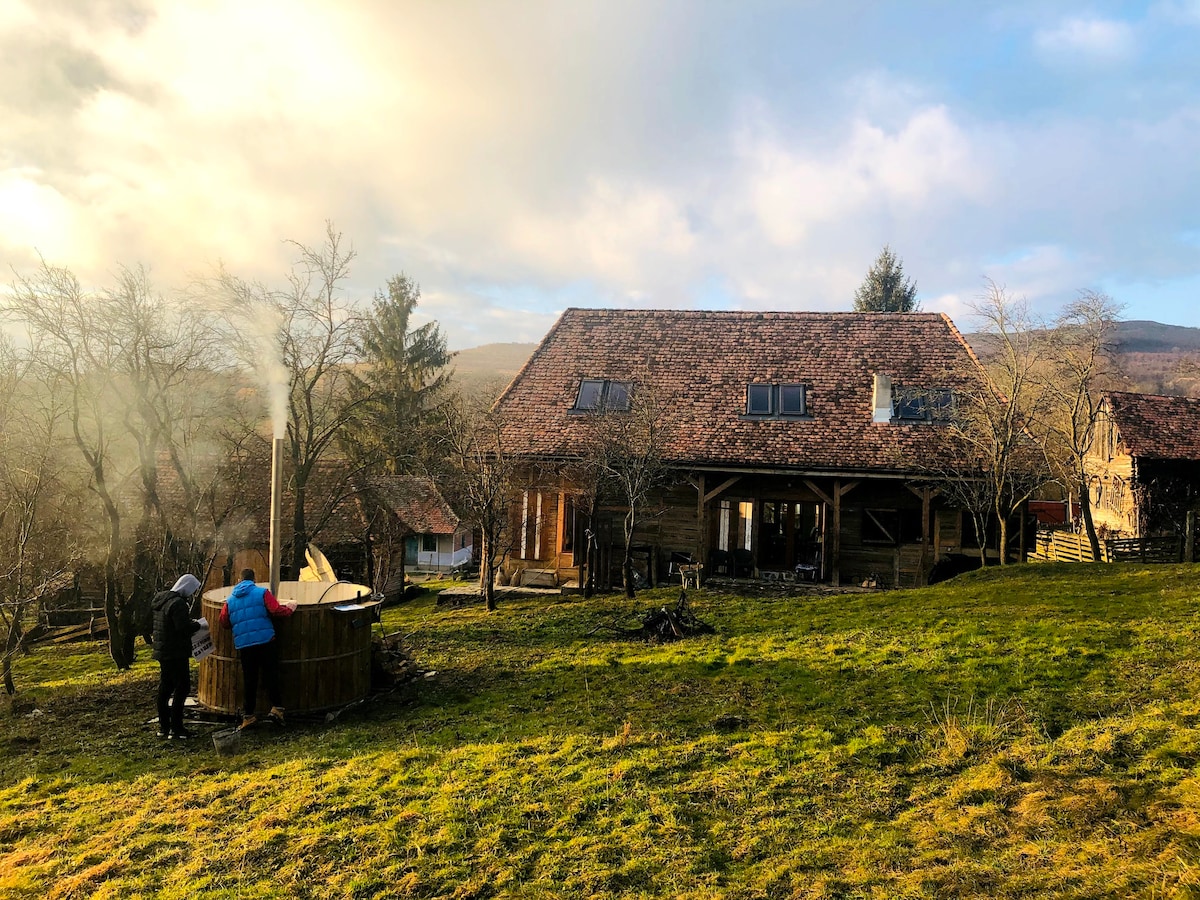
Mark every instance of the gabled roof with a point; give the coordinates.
(341, 501)
(1153, 426)
(702, 361)
(417, 502)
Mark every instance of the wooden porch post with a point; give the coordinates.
(927, 541)
(836, 580)
(701, 525)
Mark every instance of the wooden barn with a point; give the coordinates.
(1144, 465)
(801, 444)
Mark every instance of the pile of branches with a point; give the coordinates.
(665, 624)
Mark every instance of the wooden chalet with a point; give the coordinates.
(802, 443)
(1144, 464)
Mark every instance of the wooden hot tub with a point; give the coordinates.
(324, 652)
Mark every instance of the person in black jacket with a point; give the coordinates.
(173, 630)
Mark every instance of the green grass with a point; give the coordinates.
(1027, 733)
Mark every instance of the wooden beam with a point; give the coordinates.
(724, 486)
(919, 490)
(821, 495)
(701, 555)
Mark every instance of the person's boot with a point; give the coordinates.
(276, 715)
(247, 720)
(182, 734)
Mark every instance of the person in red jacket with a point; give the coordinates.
(248, 610)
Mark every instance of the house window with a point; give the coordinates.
(723, 526)
(429, 543)
(922, 404)
(601, 394)
(745, 533)
(568, 525)
(758, 399)
(791, 400)
(776, 400)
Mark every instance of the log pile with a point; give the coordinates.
(391, 664)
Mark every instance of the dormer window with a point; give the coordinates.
(602, 394)
(769, 401)
(922, 404)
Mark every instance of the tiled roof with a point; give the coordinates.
(1156, 427)
(703, 360)
(341, 501)
(416, 502)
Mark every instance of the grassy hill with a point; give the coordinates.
(489, 368)
(1032, 732)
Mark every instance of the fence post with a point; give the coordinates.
(1189, 540)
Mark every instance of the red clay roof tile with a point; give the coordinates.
(1153, 426)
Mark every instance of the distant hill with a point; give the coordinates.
(1153, 337)
(489, 368)
(1156, 358)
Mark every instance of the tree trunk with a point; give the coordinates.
(627, 562)
(11, 643)
(589, 584)
(1089, 526)
(487, 571)
(119, 646)
(1002, 539)
(980, 539)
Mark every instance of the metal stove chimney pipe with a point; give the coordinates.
(276, 510)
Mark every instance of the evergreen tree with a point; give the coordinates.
(404, 372)
(885, 288)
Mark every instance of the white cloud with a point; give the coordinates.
(927, 162)
(515, 159)
(1097, 40)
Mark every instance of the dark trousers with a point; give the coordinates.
(261, 660)
(174, 682)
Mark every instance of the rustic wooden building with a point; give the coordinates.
(370, 527)
(802, 444)
(1144, 464)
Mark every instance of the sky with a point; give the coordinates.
(517, 158)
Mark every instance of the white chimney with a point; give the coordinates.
(881, 400)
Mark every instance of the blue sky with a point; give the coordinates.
(516, 158)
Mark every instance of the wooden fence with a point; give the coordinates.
(1066, 546)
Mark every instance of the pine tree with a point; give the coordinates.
(405, 371)
(885, 288)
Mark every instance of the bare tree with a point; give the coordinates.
(37, 549)
(1080, 364)
(303, 343)
(479, 482)
(624, 446)
(994, 463)
(127, 364)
